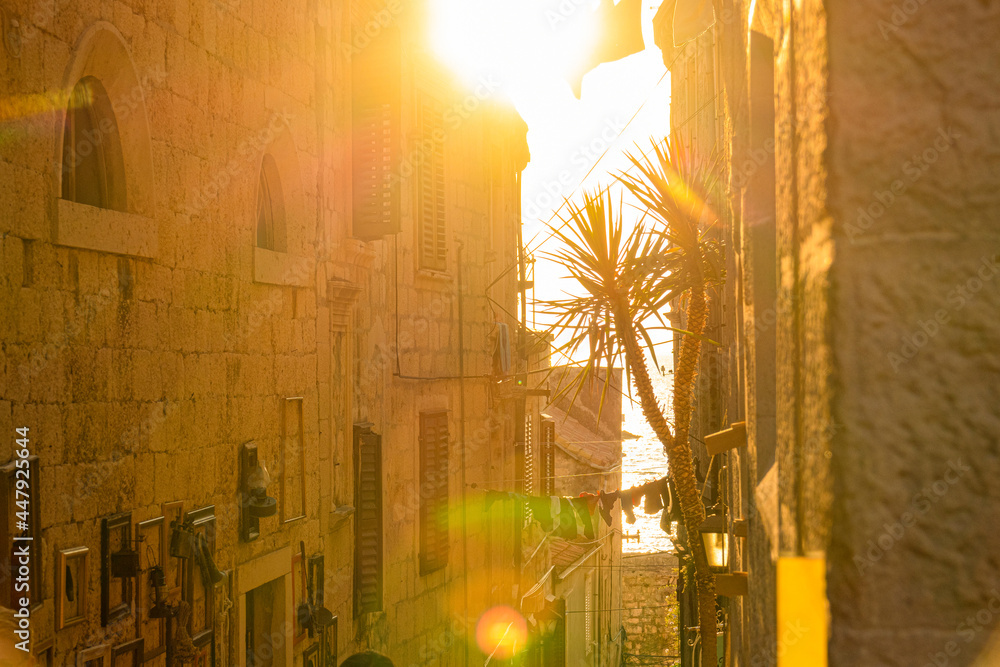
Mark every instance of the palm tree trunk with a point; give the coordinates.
(679, 457)
(684, 379)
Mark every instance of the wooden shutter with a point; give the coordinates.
(555, 645)
(529, 464)
(429, 151)
(588, 612)
(547, 456)
(376, 73)
(433, 491)
(368, 520)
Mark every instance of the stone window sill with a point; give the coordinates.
(434, 275)
(83, 226)
(280, 268)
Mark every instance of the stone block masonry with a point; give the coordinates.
(648, 595)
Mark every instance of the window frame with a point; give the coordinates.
(89, 99)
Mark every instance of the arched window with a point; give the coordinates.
(270, 208)
(92, 162)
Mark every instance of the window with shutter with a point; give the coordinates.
(376, 74)
(430, 182)
(368, 520)
(433, 491)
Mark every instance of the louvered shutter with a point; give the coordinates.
(430, 182)
(555, 645)
(433, 491)
(368, 521)
(548, 457)
(529, 465)
(588, 612)
(376, 72)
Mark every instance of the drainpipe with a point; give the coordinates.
(461, 431)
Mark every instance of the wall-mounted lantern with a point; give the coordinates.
(716, 539)
(255, 504)
(158, 582)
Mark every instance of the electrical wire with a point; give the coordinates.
(648, 606)
(582, 474)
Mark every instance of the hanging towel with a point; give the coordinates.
(567, 520)
(541, 510)
(651, 494)
(626, 499)
(503, 347)
(608, 504)
(583, 511)
(592, 500)
(492, 497)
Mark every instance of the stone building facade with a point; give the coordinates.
(859, 158)
(225, 241)
(649, 582)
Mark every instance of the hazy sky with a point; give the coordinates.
(527, 48)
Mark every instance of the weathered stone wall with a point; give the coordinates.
(912, 163)
(141, 370)
(649, 582)
(885, 160)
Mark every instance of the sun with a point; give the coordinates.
(513, 41)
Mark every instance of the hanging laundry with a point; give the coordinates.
(607, 505)
(651, 494)
(494, 496)
(669, 506)
(502, 352)
(626, 500)
(592, 500)
(541, 510)
(583, 511)
(567, 520)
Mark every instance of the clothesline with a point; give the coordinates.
(567, 517)
(474, 485)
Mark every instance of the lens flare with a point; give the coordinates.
(501, 632)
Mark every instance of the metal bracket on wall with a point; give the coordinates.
(731, 438)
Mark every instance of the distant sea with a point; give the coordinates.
(644, 461)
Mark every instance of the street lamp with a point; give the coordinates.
(716, 539)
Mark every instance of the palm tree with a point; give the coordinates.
(629, 280)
